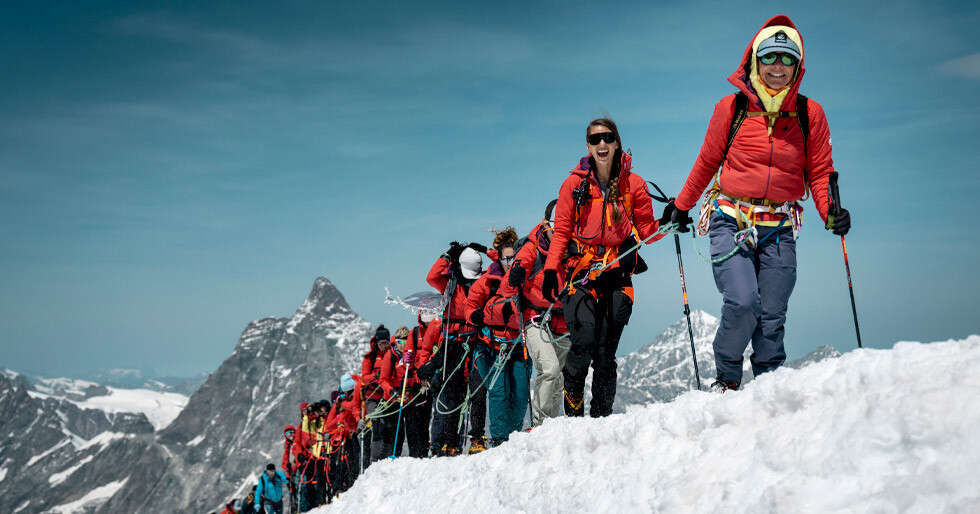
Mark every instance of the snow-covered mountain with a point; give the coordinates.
(872, 431)
(59, 454)
(664, 369)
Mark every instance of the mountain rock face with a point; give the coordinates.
(52, 451)
(663, 369)
(57, 457)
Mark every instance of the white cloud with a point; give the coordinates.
(968, 66)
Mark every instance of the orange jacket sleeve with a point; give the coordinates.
(643, 218)
(820, 161)
(564, 221)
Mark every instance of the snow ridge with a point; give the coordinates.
(871, 431)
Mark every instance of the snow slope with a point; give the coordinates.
(159, 407)
(873, 431)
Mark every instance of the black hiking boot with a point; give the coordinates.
(720, 386)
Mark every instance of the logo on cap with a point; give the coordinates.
(781, 37)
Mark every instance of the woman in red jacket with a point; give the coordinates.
(779, 152)
(603, 210)
(500, 362)
(342, 424)
(373, 394)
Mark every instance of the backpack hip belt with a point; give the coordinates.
(791, 211)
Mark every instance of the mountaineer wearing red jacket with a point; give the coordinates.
(373, 394)
(780, 152)
(603, 210)
(543, 336)
(342, 424)
(397, 364)
(500, 358)
(289, 465)
(452, 275)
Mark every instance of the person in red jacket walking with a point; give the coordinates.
(343, 422)
(500, 358)
(780, 152)
(373, 394)
(603, 210)
(545, 332)
(452, 275)
(414, 426)
(288, 464)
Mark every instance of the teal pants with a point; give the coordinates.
(507, 397)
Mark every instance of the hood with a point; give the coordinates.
(584, 167)
(303, 406)
(741, 78)
(496, 269)
(287, 428)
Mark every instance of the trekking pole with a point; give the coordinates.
(835, 210)
(398, 426)
(687, 309)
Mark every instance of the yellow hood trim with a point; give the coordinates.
(772, 103)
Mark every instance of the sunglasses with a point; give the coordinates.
(507, 260)
(785, 59)
(594, 139)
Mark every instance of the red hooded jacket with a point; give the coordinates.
(760, 165)
(371, 372)
(438, 278)
(534, 302)
(344, 415)
(393, 374)
(483, 297)
(288, 465)
(594, 225)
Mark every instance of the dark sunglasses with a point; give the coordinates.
(594, 139)
(785, 59)
(507, 260)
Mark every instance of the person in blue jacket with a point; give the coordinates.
(269, 492)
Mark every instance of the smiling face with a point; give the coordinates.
(602, 152)
(776, 75)
(506, 257)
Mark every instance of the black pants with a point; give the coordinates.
(321, 487)
(414, 428)
(596, 324)
(344, 467)
(478, 400)
(445, 427)
(375, 437)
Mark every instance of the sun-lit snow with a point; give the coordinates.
(872, 431)
(99, 494)
(160, 408)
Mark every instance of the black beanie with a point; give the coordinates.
(382, 333)
(271, 467)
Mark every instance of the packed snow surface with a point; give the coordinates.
(160, 408)
(871, 431)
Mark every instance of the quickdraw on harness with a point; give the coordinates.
(746, 210)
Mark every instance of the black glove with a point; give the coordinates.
(516, 274)
(641, 265)
(427, 370)
(508, 311)
(549, 288)
(478, 247)
(674, 215)
(454, 250)
(842, 222)
(477, 317)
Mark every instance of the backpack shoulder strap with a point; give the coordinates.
(741, 108)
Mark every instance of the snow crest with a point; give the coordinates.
(873, 431)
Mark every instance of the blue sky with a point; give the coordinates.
(168, 174)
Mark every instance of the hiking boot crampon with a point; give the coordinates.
(478, 444)
(574, 405)
(720, 386)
